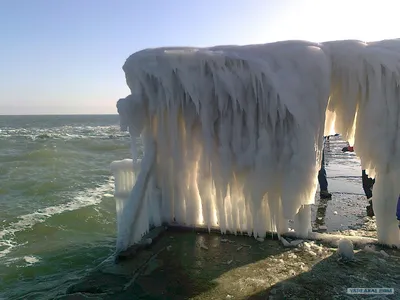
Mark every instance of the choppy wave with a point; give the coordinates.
(30, 260)
(63, 132)
(80, 199)
(56, 221)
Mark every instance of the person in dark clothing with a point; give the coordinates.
(367, 183)
(323, 182)
(398, 211)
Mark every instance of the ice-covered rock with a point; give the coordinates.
(346, 249)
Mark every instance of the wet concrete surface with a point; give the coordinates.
(347, 208)
(190, 265)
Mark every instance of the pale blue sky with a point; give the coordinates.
(65, 56)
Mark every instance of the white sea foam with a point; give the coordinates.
(62, 132)
(80, 199)
(31, 260)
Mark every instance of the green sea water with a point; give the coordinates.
(57, 211)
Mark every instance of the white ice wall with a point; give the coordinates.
(365, 98)
(233, 135)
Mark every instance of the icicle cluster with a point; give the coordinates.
(365, 99)
(233, 135)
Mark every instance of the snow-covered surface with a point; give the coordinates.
(233, 134)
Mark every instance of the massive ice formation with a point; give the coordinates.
(232, 135)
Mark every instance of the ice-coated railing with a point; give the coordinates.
(125, 173)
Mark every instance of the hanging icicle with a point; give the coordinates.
(233, 135)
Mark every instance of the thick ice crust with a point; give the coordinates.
(236, 131)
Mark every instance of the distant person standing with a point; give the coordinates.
(367, 183)
(398, 211)
(323, 182)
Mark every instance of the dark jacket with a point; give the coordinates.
(398, 209)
